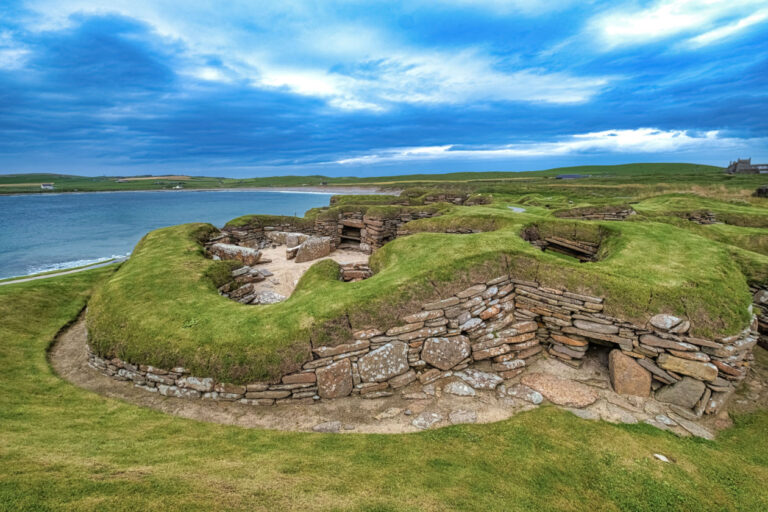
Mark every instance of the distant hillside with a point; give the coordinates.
(27, 183)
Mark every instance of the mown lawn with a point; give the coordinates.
(62, 448)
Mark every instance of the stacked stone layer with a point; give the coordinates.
(592, 214)
(368, 232)
(496, 327)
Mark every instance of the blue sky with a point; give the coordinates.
(246, 88)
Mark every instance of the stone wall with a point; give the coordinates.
(597, 213)
(702, 217)
(355, 271)
(365, 232)
(488, 333)
(760, 300)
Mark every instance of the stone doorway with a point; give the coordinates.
(351, 236)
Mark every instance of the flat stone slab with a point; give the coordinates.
(461, 416)
(384, 363)
(665, 322)
(426, 420)
(685, 393)
(479, 379)
(522, 392)
(561, 391)
(445, 353)
(459, 388)
(329, 427)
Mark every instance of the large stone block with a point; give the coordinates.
(596, 327)
(244, 255)
(384, 363)
(196, 383)
(696, 369)
(294, 239)
(685, 393)
(561, 391)
(335, 380)
(313, 248)
(445, 353)
(628, 377)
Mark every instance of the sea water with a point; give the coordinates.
(42, 232)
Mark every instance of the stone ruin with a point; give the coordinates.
(351, 230)
(597, 213)
(702, 217)
(482, 338)
(582, 250)
(487, 334)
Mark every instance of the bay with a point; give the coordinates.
(42, 232)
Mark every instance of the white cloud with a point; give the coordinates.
(666, 18)
(424, 78)
(13, 55)
(726, 31)
(301, 47)
(641, 140)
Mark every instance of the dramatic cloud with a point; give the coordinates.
(642, 140)
(237, 87)
(666, 18)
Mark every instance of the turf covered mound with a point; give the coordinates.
(162, 307)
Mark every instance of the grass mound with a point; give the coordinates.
(162, 307)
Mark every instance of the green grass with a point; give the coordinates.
(162, 308)
(649, 173)
(59, 271)
(63, 448)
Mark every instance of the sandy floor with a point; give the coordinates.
(392, 414)
(287, 272)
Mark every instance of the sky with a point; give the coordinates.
(342, 88)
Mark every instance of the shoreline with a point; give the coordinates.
(314, 189)
(319, 190)
(61, 272)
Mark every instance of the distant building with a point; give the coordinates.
(571, 176)
(178, 187)
(745, 166)
(121, 180)
(46, 186)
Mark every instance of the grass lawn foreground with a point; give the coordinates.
(63, 448)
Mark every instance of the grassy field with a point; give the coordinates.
(63, 448)
(600, 180)
(162, 307)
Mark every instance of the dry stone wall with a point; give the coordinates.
(354, 228)
(484, 335)
(594, 213)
